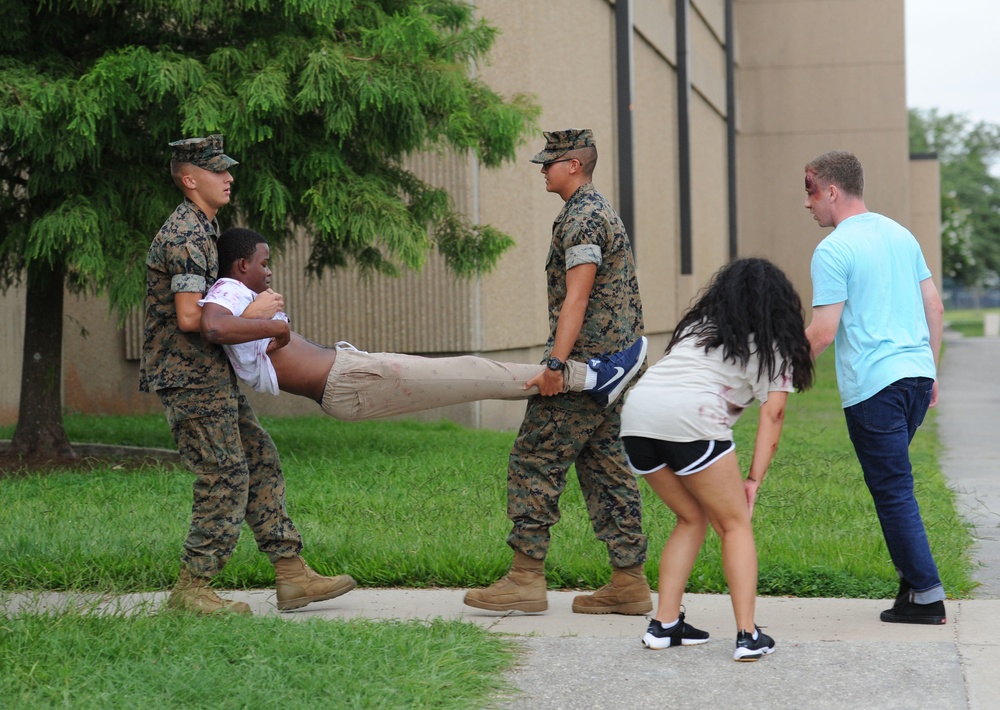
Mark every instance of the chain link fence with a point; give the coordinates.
(962, 298)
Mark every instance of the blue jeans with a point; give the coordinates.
(881, 429)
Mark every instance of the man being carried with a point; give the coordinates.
(353, 385)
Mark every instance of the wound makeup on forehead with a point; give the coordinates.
(812, 187)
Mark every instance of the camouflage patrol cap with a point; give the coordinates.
(204, 152)
(558, 143)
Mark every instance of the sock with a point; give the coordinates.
(756, 635)
(666, 626)
(590, 381)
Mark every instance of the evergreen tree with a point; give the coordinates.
(320, 100)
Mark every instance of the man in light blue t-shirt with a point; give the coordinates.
(873, 296)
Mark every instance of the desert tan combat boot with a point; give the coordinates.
(523, 589)
(626, 593)
(298, 585)
(193, 593)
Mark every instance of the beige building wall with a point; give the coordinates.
(925, 211)
(666, 292)
(812, 75)
(657, 225)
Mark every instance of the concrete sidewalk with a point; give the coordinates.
(968, 416)
(830, 653)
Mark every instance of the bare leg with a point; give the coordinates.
(718, 493)
(682, 546)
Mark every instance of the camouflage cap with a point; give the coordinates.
(558, 143)
(204, 152)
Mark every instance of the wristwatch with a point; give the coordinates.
(556, 364)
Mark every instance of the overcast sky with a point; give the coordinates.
(953, 57)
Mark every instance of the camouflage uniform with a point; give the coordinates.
(571, 428)
(216, 431)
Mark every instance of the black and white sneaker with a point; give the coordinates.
(614, 372)
(680, 634)
(749, 648)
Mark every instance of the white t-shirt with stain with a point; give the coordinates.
(691, 395)
(249, 360)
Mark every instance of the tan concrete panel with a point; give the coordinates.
(925, 211)
(656, 229)
(813, 76)
(713, 14)
(654, 22)
(708, 63)
(819, 32)
(817, 99)
(96, 377)
(709, 192)
(573, 88)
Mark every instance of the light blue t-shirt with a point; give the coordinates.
(874, 266)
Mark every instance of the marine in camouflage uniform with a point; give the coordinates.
(220, 440)
(567, 429)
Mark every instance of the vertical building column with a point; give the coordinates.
(731, 129)
(626, 90)
(684, 135)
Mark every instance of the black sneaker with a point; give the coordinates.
(750, 649)
(616, 371)
(680, 634)
(903, 595)
(913, 613)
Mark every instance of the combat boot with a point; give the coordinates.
(193, 593)
(626, 593)
(298, 585)
(523, 589)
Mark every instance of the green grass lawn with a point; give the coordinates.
(393, 504)
(968, 322)
(173, 660)
(423, 505)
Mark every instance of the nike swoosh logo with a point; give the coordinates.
(618, 375)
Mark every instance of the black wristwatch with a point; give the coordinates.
(556, 364)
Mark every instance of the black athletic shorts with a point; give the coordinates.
(646, 455)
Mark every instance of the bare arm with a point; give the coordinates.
(188, 311)
(934, 311)
(579, 283)
(772, 418)
(220, 326)
(823, 328)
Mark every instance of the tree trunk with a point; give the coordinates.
(39, 430)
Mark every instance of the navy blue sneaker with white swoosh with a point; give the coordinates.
(749, 648)
(680, 634)
(614, 372)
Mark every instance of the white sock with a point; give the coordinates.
(665, 625)
(755, 634)
(590, 381)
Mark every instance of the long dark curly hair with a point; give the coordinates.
(751, 297)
